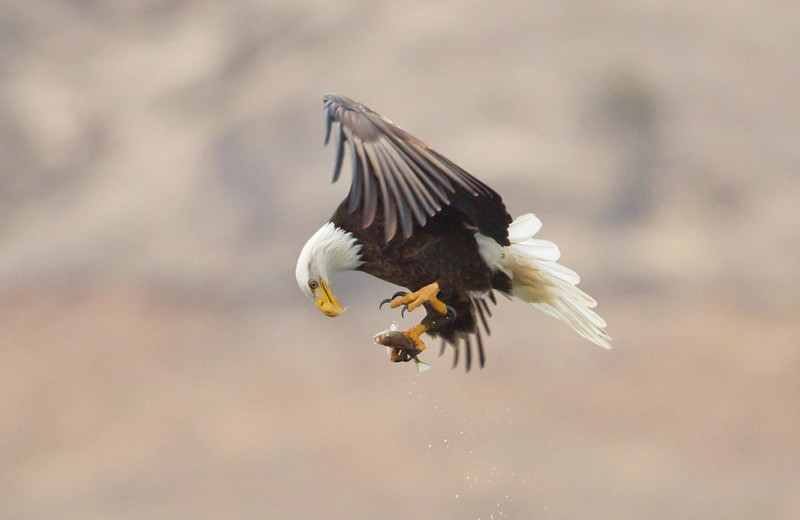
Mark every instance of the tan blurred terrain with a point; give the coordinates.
(161, 165)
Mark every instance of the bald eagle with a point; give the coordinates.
(415, 219)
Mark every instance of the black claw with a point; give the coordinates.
(408, 355)
(389, 300)
(403, 311)
(451, 310)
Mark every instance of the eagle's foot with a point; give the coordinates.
(403, 345)
(397, 355)
(411, 301)
(389, 300)
(412, 336)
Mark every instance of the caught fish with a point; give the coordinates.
(400, 348)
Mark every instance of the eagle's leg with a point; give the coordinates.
(412, 335)
(403, 345)
(427, 294)
(406, 345)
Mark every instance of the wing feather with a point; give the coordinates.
(397, 172)
(392, 180)
(370, 200)
(434, 190)
(410, 198)
(429, 201)
(389, 206)
(429, 205)
(337, 170)
(357, 183)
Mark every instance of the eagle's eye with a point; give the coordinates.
(313, 284)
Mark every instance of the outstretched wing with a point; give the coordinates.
(411, 181)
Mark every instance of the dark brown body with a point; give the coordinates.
(443, 251)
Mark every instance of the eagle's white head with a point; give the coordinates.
(329, 251)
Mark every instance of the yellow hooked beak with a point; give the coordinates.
(326, 302)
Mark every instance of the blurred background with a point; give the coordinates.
(161, 165)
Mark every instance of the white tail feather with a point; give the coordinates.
(524, 227)
(537, 279)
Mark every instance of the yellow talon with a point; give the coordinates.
(415, 299)
(413, 334)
